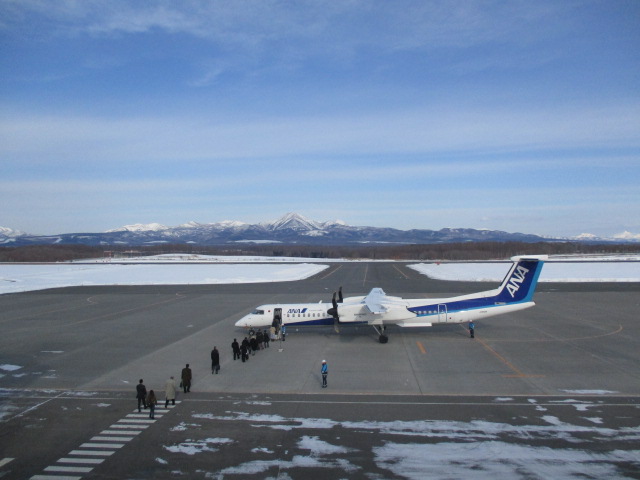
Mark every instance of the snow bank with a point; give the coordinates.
(21, 278)
(589, 271)
(179, 269)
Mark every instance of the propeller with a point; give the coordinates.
(334, 310)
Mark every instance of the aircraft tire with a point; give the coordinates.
(383, 339)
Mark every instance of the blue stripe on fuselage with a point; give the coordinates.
(518, 288)
(320, 322)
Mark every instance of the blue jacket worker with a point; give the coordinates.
(324, 370)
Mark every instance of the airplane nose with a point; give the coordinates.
(242, 322)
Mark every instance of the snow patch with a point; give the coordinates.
(191, 447)
(10, 368)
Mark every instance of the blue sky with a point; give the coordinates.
(518, 116)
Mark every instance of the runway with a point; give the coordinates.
(560, 377)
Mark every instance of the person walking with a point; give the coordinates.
(472, 330)
(170, 392)
(324, 370)
(215, 361)
(141, 395)
(265, 338)
(235, 346)
(186, 379)
(243, 350)
(151, 402)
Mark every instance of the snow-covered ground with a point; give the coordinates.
(197, 269)
(572, 271)
(22, 278)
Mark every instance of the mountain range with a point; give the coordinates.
(292, 228)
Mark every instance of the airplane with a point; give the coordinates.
(379, 309)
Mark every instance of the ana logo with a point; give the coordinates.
(297, 310)
(516, 280)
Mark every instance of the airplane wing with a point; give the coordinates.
(379, 302)
(375, 301)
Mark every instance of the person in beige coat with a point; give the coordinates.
(170, 392)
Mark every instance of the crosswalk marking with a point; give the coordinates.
(68, 469)
(81, 460)
(136, 420)
(54, 477)
(116, 432)
(111, 438)
(129, 426)
(94, 452)
(102, 445)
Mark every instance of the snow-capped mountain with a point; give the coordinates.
(140, 227)
(10, 233)
(292, 228)
(9, 236)
(296, 222)
(627, 236)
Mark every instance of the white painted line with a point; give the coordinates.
(54, 477)
(129, 426)
(120, 432)
(93, 453)
(141, 415)
(69, 469)
(94, 461)
(111, 439)
(5, 460)
(134, 420)
(102, 445)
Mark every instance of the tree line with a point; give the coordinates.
(422, 252)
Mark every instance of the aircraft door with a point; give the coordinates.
(277, 319)
(442, 312)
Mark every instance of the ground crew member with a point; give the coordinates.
(324, 370)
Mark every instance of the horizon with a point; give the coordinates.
(157, 226)
(518, 117)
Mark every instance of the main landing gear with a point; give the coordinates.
(381, 331)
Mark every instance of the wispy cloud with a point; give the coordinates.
(372, 107)
(409, 132)
(324, 27)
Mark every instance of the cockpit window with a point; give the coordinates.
(257, 312)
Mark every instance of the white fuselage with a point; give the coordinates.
(379, 309)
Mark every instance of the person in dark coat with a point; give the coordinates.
(186, 379)
(254, 345)
(215, 360)
(152, 401)
(472, 330)
(244, 349)
(259, 339)
(243, 352)
(265, 339)
(235, 346)
(141, 395)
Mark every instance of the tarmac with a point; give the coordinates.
(552, 391)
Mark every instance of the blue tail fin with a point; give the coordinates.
(521, 281)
